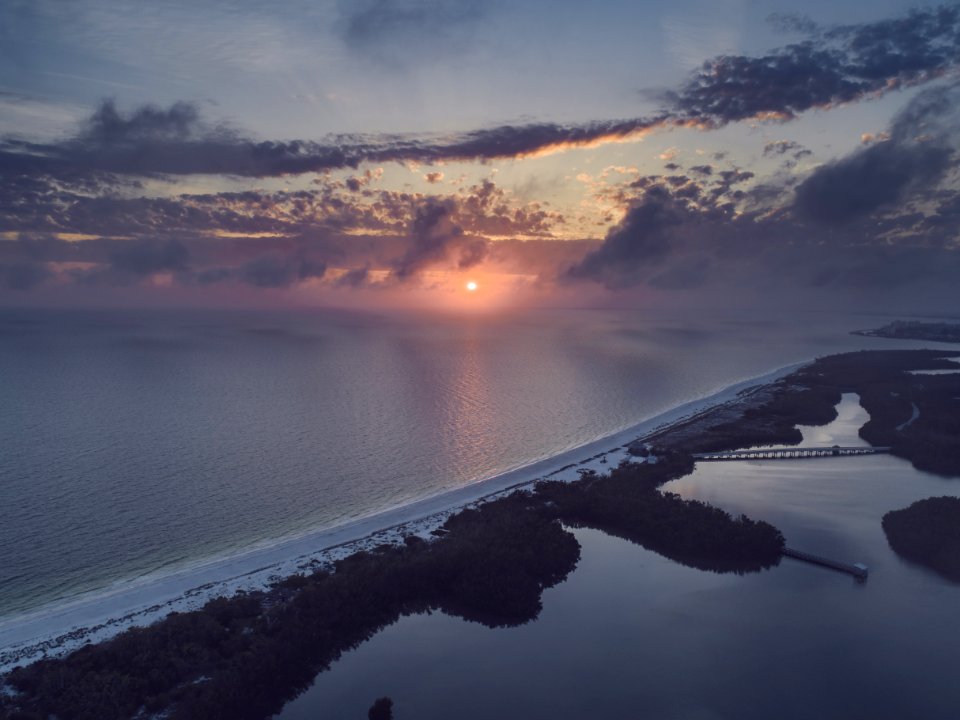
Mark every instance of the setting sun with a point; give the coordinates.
(472, 286)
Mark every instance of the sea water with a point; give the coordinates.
(138, 442)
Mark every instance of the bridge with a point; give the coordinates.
(794, 453)
(858, 570)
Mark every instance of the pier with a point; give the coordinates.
(795, 453)
(858, 570)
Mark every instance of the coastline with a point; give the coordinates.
(60, 628)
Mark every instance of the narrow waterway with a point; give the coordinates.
(630, 634)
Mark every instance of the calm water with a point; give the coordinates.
(137, 442)
(632, 635)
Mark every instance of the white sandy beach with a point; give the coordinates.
(65, 626)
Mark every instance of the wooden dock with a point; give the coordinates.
(858, 570)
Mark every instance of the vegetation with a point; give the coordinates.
(916, 415)
(915, 330)
(928, 533)
(246, 656)
(382, 709)
(626, 503)
(771, 419)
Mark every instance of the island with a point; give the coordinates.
(916, 330)
(928, 533)
(246, 656)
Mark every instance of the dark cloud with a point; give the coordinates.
(275, 272)
(681, 231)
(667, 242)
(354, 278)
(434, 237)
(180, 122)
(267, 239)
(146, 257)
(783, 147)
(881, 220)
(879, 175)
(472, 253)
(397, 32)
(918, 154)
(890, 202)
(22, 275)
(638, 245)
(175, 141)
(328, 209)
(154, 141)
(692, 273)
(841, 65)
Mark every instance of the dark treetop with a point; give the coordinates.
(928, 533)
(915, 330)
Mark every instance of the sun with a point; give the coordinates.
(472, 286)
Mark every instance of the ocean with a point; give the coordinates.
(135, 443)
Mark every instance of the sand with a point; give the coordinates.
(60, 628)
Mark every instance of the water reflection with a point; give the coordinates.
(186, 435)
(631, 634)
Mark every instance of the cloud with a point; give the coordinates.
(878, 176)
(884, 218)
(107, 127)
(917, 155)
(670, 243)
(327, 209)
(268, 239)
(888, 202)
(638, 245)
(273, 272)
(354, 278)
(176, 141)
(145, 257)
(435, 237)
(841, 65)
(398, 32)
(783, 147)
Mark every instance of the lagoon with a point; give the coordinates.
(630, 634)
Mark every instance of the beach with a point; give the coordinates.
(62, 627)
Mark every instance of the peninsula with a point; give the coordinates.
(916, 330)
(245, 656)
(928, 533)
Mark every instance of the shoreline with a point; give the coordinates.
(62, 627)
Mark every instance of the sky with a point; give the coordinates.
(386, 153)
